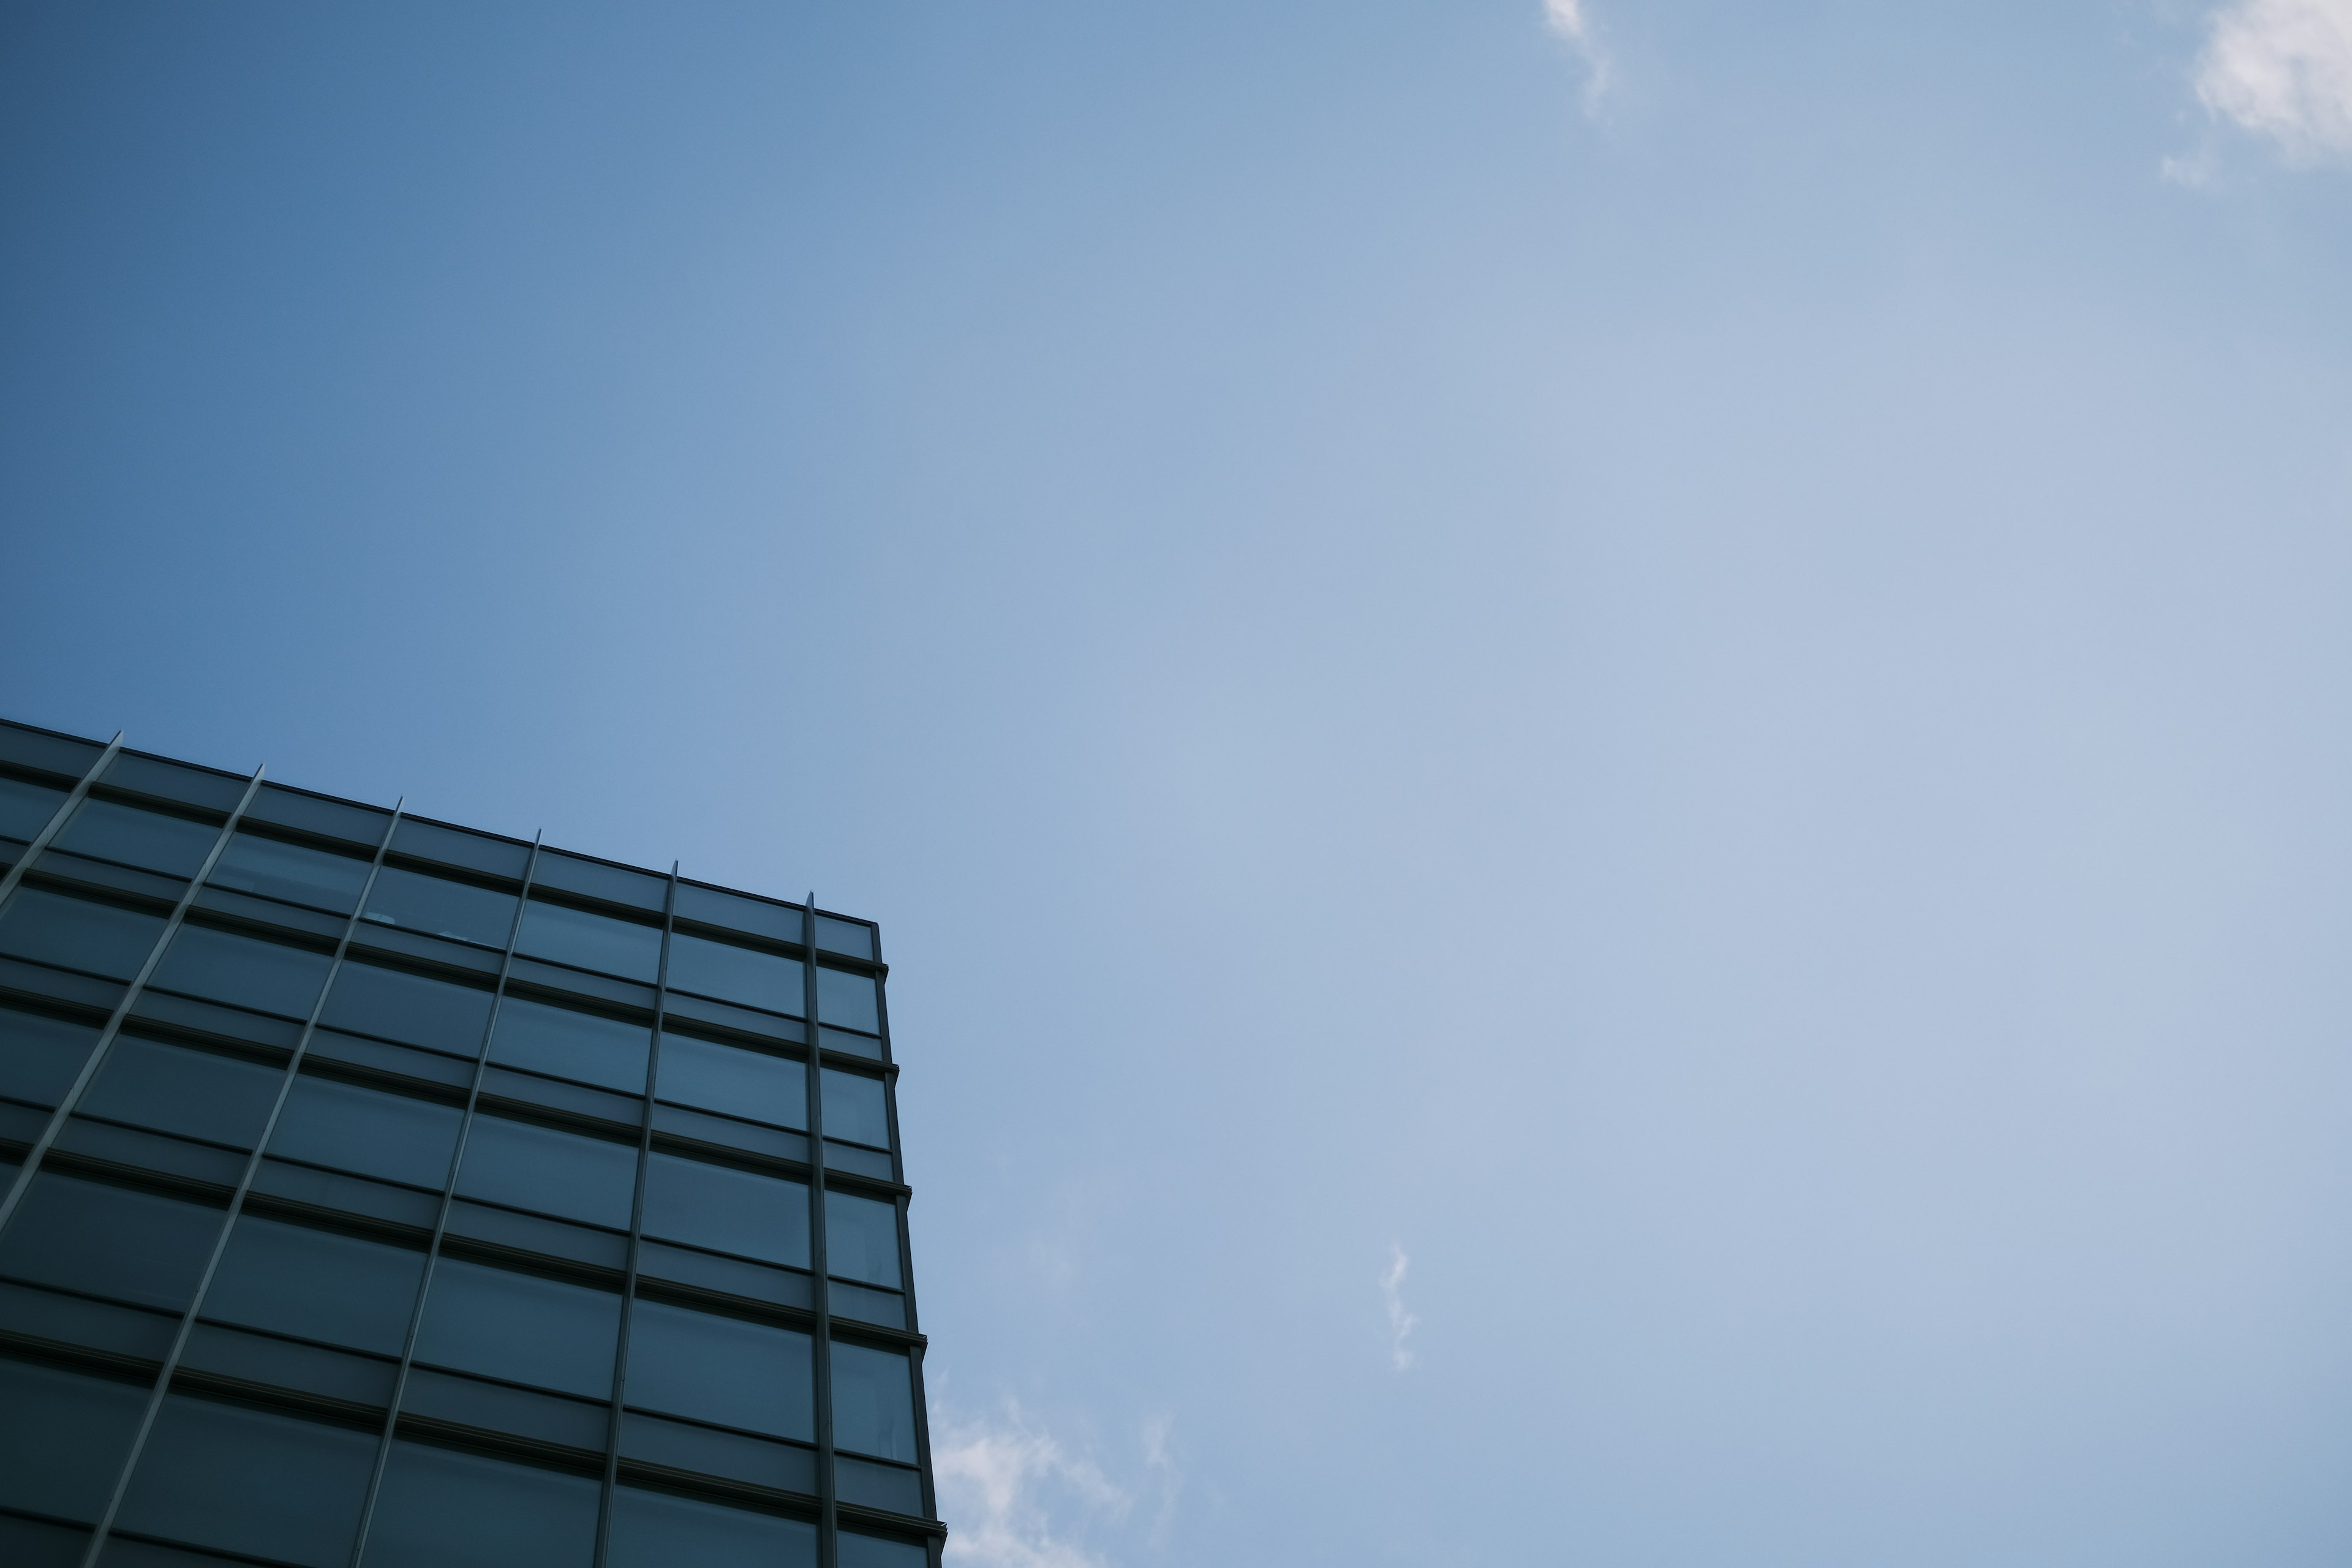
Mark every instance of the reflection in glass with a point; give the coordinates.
(172, 1088)
(568, 1044)
(590, 941)
(734, 973)
(848, 1001)
(76, 933)
(873, 1403)
(389, 1136)
(520, 1328)
(110, 1241)
(65, 1439)
(861, 1240)
(658, 1530)
(315, 1284)
(250, 1481)
(726, 1370)
(854, 1108)
(252, 864)
(111, 831)
(417, 1011)
(440, 907)
(243, 971)
(26, 808)
(734, 1082)
(855, 1551)
(727, 1210)
(442, 1509)
(528, 1166)
(41, 1055)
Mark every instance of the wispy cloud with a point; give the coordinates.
(1571, 22)
(1014, 1496)
(1401, 1323)
(2282, 69)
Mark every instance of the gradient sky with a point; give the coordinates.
(1605, 755)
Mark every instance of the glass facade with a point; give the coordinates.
(374, 1191)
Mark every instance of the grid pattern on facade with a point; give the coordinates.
(375, 1191)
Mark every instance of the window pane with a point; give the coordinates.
(238, 1480)
(26, 808)
(658, 1530)
(855, 1551)
(727, 1210)
(441, 1508)
(848, 1000)
(255, 864)
(64, 1440)
(721, 1369)
(399, 1005)
(737, 974)
(112, 831)
(390, 1136)
(316, 1284)
(737, 1082)
(852, 936)
(854, 1108)
(110, 1241)
(78, 934)
(174, 1090)
(265, 976)
(873, 1403)
(561, 1174)
(590, 941)
(519, 1327)
(861, 1240)
(439, 907)
(571, 1044)
(41, 1055)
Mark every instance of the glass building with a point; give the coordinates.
(378, 1192)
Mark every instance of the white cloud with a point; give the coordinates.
(1015, 1496)
(1571, 22)
(1401, 1323)
(2283, 70)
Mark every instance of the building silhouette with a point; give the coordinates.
(340, 1226)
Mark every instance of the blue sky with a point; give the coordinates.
(1603, 750)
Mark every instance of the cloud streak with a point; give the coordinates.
(2282, 71)
(1571, 22)
(1401, 1323)
(1016, 1496)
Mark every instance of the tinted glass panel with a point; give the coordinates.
(64, 1440)
(29, 1543)
(367, 1131)
(441, 1508)
(112, 831)
(737, 974)
(861, 1240)
(873, 1403)
(26, 808)
(854, 1108)
(110, 1241)
(581, 1045)
(330, 818)
(39, 1055)
(263, 975)
(845, 936)
(77, 933)
(556, 1172)
(519, 1327)
(288, 871)
(714, 906)
(173, 1090)
(168, 780)
(403, 1007)
(316, 1284)
(855, 1551)
(722, 1369)
(848, 1000)
(657, 1530)
(440, 907)
(727, 1210)
(737, 1082)
(238, 1480)
(455, 847)
(590, 941)
(598, 881)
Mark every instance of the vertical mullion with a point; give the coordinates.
(97, 1052)
(441, 1219)
(828, 1523)
(636, 1227)
(236, 1205)
(906, 1240)
(74, 797)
